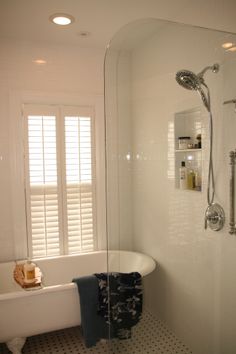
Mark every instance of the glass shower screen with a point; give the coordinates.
(149, 118)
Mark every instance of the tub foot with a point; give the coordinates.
(15, 345)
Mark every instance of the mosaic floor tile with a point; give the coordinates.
(150, 336)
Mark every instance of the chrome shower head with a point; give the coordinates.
(191, 81)
(188, 80)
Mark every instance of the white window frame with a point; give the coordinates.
(60, 113)
(17, 99)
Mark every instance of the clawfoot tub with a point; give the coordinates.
(56, 305)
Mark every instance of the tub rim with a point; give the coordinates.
(20, 292)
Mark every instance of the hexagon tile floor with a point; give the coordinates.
(150, 336)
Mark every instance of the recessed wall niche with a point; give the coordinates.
(188, 148)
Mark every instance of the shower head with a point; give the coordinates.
(192, 81)
(188, 79)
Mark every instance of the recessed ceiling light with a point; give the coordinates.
(39, 61)
(227, 45)
(62, 19)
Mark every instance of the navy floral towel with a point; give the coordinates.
(126, 297)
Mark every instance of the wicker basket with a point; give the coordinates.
(19, 277)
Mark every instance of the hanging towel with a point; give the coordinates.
(93, 325)
(126, 296)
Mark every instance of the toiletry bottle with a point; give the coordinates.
(183, 176)
(191, 179)
(199, 141)
(29, 272)
(198, 182)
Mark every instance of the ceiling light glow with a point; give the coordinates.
(62, 19)
(227, 45)
(39, 61)
(232, 49)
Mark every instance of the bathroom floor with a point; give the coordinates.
(150, 336)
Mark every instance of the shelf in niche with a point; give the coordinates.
(190, 190)
(188, 150)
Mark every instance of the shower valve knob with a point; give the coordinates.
(214, 217)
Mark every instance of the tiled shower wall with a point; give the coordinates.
(194, 289)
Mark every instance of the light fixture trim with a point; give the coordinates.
(62, 19)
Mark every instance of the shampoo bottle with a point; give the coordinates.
(198, 182)
(183, 176)
(29, 272)
(191, 179)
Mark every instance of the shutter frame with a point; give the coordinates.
(66, 230)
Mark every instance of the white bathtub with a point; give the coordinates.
(56, 306)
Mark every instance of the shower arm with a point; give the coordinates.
(231, 101)
(201, 74)
(214, 68)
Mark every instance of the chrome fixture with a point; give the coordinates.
(232, 156)
(214, 216)
(231, 101)
(192, 81)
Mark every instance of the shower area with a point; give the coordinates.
(168, 139)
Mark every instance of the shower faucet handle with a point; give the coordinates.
(211, 216)
(214, 217)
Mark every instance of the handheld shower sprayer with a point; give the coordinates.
(191, 81)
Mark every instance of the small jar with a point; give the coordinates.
(29, 272)
(184, 141)
(190, 146)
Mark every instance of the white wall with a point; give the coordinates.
(71, 76)
(193, 288)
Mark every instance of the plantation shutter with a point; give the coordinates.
(79, 185)
(60, 183)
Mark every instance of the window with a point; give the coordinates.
(60, 179)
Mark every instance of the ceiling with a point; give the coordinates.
(29, 19)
